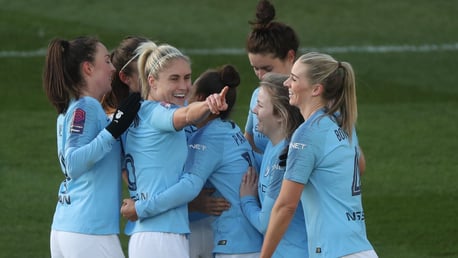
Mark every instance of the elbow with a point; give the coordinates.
(74, 171)
(74, 168)
(286, 208)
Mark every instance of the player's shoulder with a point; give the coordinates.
(88, 101)
(88, 105)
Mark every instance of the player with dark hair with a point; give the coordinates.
(77, 74)
(272, 47)
(125, 78)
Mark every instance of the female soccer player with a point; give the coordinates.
(322, 169)
(156, 149)
(77, 74)
(219, 153)
(272, 47)
(125, 78)
(277, 120)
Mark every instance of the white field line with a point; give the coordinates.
(241, 51)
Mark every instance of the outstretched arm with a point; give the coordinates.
(179, 194)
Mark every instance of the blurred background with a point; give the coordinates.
(404, 52)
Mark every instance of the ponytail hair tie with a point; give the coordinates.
(64, 45)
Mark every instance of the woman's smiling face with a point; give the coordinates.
(264, 110)
(173, 82)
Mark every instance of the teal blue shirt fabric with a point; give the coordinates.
(219, 153)
(89, 197)
(294, 241)
(155, 156)
(322, 157)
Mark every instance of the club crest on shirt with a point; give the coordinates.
(79, 117)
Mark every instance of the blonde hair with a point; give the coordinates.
(152, 60)
(338, 80)
(290, 115)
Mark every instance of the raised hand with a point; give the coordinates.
(124, 115)
(249, 185)
(217, 102)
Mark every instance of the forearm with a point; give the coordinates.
(179, 194)
(191, 114)
(197, 112)
(252, 211)
(82, 158)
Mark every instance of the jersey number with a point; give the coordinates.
(356, 185)
(247, 157)
(131, 177)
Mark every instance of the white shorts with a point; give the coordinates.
(201, 238)
(75, 245)
(364, 254)
(248, 255)
(158, 244)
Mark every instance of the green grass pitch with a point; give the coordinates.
(404, 52)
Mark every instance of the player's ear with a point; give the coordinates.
(317, 89)
(87, 68)
(123, 77)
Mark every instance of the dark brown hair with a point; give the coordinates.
(213, 81)
(121, 58)
(268, 36)
(62, 77)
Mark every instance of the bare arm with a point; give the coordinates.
(199, 110)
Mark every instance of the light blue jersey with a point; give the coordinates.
(90, 196)
(251, 127)
(294, 241)
(322, 157)
(217, 152)
(155, 157)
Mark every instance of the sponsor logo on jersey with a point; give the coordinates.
(79, 117)
(355, 215)
(297, 145)
(197, 146)
(222, 242)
